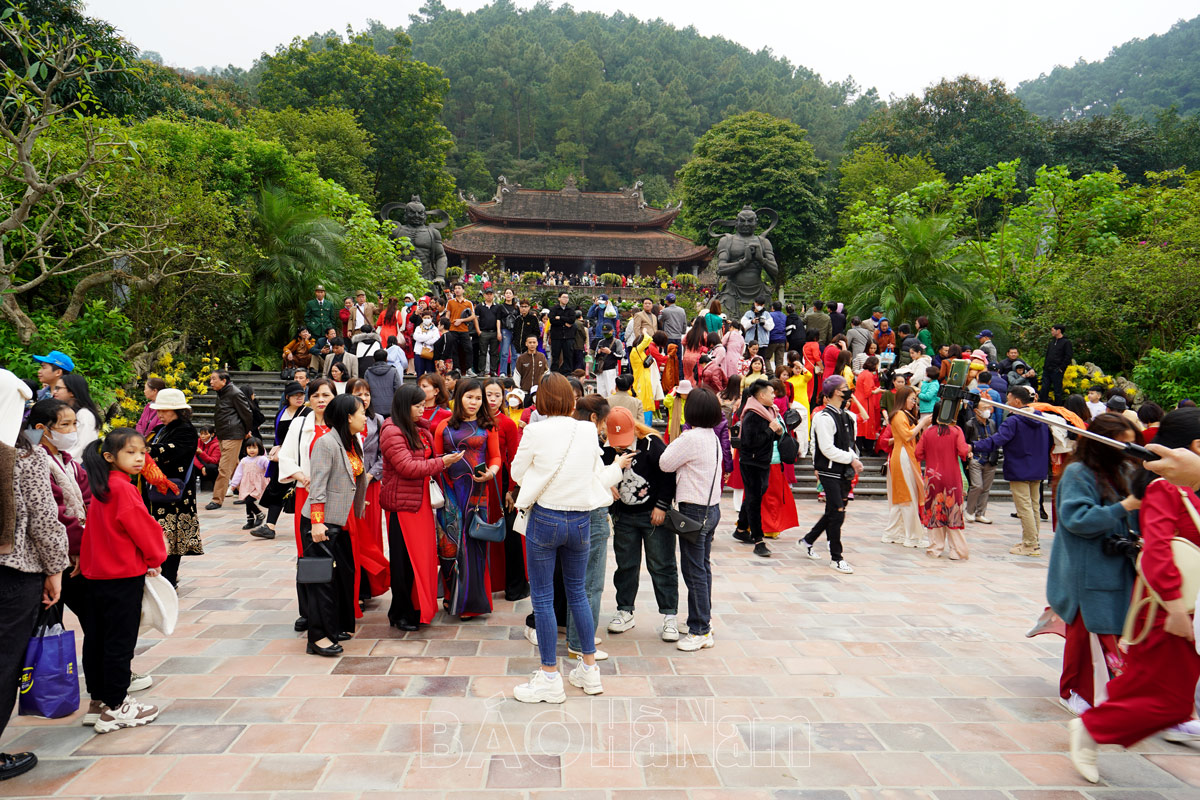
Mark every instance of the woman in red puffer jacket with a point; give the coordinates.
(406, 445)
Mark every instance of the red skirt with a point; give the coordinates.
(366, 539)
(420, 540)
(779, 504)
(301, 499)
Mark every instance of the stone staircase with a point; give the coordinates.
(871, 484)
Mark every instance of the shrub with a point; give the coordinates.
(1166, 378)
(610, 279)
(687, 279)
(531, 278)
(454, 274)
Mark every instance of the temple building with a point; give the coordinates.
(573, 232)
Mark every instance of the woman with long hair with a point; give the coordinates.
(470, 489)
(305, 431)
(337, 466)
(905, 490)
(1090, 580)
(559, 469)
(695, 344)
(761, 429)
(868, 392)
(388, 323)
(941, 450)
(279, 495)
(508, 562)
(406, 444)
(1156, 689)
(713, 320)
(172, 445)
(437, 400)
(594, 409)
(372, 577)
(813, 361)
(72, 389)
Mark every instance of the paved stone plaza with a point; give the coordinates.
(909, 679)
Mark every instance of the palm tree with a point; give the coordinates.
(300, 248)
(917, 269)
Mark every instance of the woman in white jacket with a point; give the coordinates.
(424, 337)
(562, 478)
(293, 458)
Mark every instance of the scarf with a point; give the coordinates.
(734, 346)
(72, 497)
(753, 406)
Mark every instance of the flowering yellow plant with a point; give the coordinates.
(1078, 378)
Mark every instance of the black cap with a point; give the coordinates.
(293, 388)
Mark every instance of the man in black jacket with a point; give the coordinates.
(233, 421)
(562, 336)
(1058, 358)
(525, 325)
(761, 429)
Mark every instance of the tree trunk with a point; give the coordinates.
(12, 311)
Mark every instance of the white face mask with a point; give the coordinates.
(514, 401)
(986, 414)
(63, 441)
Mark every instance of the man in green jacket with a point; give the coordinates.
(319, 314)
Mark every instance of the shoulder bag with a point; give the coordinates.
(483, 530)
(683, 525)
(522, 520)
(1187, 560)
(315, 569)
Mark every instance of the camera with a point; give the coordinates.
(1122, 544)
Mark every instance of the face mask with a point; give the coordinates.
(986, 414)
(63, 441)
(514, 401)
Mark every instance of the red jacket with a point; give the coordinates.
(208, 455)
(121, 539)
(1162, 518)
(405, 470)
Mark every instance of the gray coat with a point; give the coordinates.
(333, 481)
(858, 338)
(384, 380)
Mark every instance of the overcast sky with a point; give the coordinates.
(897, 47)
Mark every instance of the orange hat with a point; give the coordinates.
(620, 427)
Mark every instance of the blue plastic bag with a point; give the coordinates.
(50, 679)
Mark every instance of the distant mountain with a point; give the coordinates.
(1142, 76)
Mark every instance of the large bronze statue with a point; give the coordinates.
(742, 258)
(425, 236)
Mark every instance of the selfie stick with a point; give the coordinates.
(1131, 449)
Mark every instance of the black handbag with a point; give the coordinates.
(789, 449)
(315, 569)
(287, 374)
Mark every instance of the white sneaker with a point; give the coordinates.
(130, 714)
(692, 642)
(969, 517)
(1184, 732)
(621, 622)
(1083, 751)
(543, 687)
(139, 682)
(586, 679)
(842, 566)
(808, 551)
(1075, 704)
(983, 520)
(601, 655)
(670, 629)
(531, 635)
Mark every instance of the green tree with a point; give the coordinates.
(871, 169)
(395, 98)
(760, 160)
(328, 139)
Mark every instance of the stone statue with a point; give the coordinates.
(743, 257)
(425, 236)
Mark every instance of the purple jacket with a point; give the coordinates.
(1026, 448)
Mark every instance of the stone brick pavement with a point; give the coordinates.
(908, 679)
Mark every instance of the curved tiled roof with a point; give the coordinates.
(573, 207)
(647, 245)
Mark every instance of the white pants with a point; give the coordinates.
(904, 520)
(606, 382)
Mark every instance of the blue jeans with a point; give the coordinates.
(695, 562)
(549, 532)
(508, 353)
(593, 581)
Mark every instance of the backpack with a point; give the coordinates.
(789, 449)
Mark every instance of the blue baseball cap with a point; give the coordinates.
(603, 297)
(57, 358)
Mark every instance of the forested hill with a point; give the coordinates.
(1143, 76)
(537, 94)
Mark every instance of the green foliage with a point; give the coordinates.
(610, 279)
(541, 92)
(1142, 76)
(327, 140)
(396, 99)
(454, 274)
(97, 342)
(1166, 377)
(870, 170)
(963, 125)
(165, 90)
(760, 160)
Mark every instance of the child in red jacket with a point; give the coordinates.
(208, 455)
(122, 544)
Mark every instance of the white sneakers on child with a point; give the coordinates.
(621, 622)
(1075, 704)
(130, 714)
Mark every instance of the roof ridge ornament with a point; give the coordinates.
(503, 187)
(571, 185)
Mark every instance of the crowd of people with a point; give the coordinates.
(527, 441)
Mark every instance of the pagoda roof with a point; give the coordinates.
(570, 206)
(652, 245)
